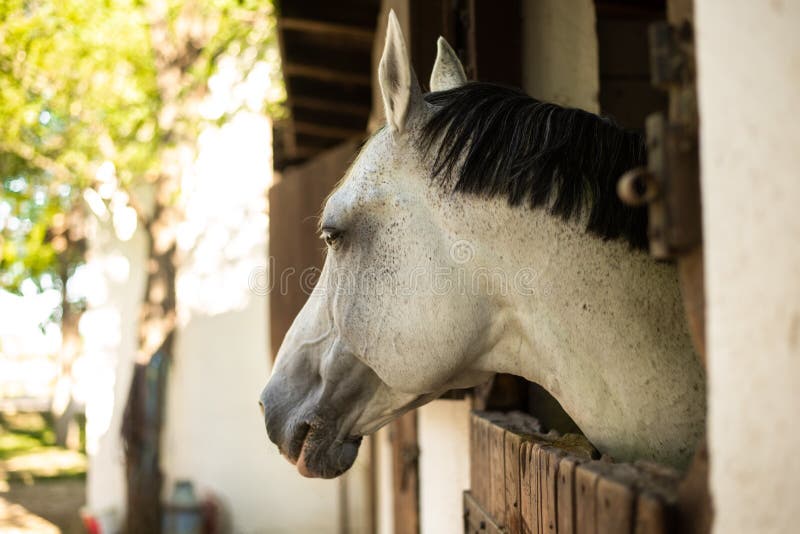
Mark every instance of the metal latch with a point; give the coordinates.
(670, 184)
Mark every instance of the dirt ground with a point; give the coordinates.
(47, 506)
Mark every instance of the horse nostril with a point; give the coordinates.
(261, 405)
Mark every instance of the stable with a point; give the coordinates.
(453, 466)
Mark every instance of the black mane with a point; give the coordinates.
(510, 144)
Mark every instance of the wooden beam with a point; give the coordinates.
(405, 473)
(304, 152)
(325, 73)
(332, 132)
(329, 28)
(324, 104)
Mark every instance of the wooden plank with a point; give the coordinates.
(541, 460)
(614, 506)
(513, 444)
(326, 131)
(476, 519)
(328, 104)
(294, 244)
(405, 471)
(325, 74)
(585, 503)
(652, 516)
(566, 495)
(332, 29)
(528, 512)
(481, 466)
(496, 504)
(549, 459)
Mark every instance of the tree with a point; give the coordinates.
(78, 131)
(100, 99)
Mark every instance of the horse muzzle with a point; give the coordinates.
(307, 437)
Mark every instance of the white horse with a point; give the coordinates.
(479, 232)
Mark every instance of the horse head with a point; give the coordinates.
(436, 276)
(379, 335)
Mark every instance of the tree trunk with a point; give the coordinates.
(62, 407)
(176, 45)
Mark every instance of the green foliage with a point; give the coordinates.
(28, 450)
(78, 85)
(80, 111)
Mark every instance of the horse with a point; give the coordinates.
(479, 232)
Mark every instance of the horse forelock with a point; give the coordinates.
(491, 140)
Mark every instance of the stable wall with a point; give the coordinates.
(109, 348)
(214, 432)
(749, 99)
(559, 52)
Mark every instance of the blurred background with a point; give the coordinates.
(135, 157)
(162, 163)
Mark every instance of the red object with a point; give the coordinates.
(91, 525)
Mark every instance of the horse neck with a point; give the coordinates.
(602, 331)
(586, 295)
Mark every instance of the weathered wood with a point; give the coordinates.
(326, 74)
(538, 487)
(294, 245)
(321, 103)
(536, 460)
(652, 516)
(476, 519)
(513, 445)
(497, 470)
(332, 132)
(487, 463)
(405, 470)
(694, 498)
(477, 468)
(549, 458)
(331, 29)
(529, 512)
(614, 506)
(474, 468)
(585, 503)
(566, 495)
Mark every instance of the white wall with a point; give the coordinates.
(443, 465)
(110, 333)
(749, 96)
(443, 439)
(215, 433)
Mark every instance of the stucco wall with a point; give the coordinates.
(443, 440)
(214, 432)
(443, 465)
(749, 96)
(110, 337)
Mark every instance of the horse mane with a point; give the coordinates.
(492, 140)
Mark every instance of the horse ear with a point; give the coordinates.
(399, 86)
(447, 71)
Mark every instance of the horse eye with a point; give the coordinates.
(332, 237)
